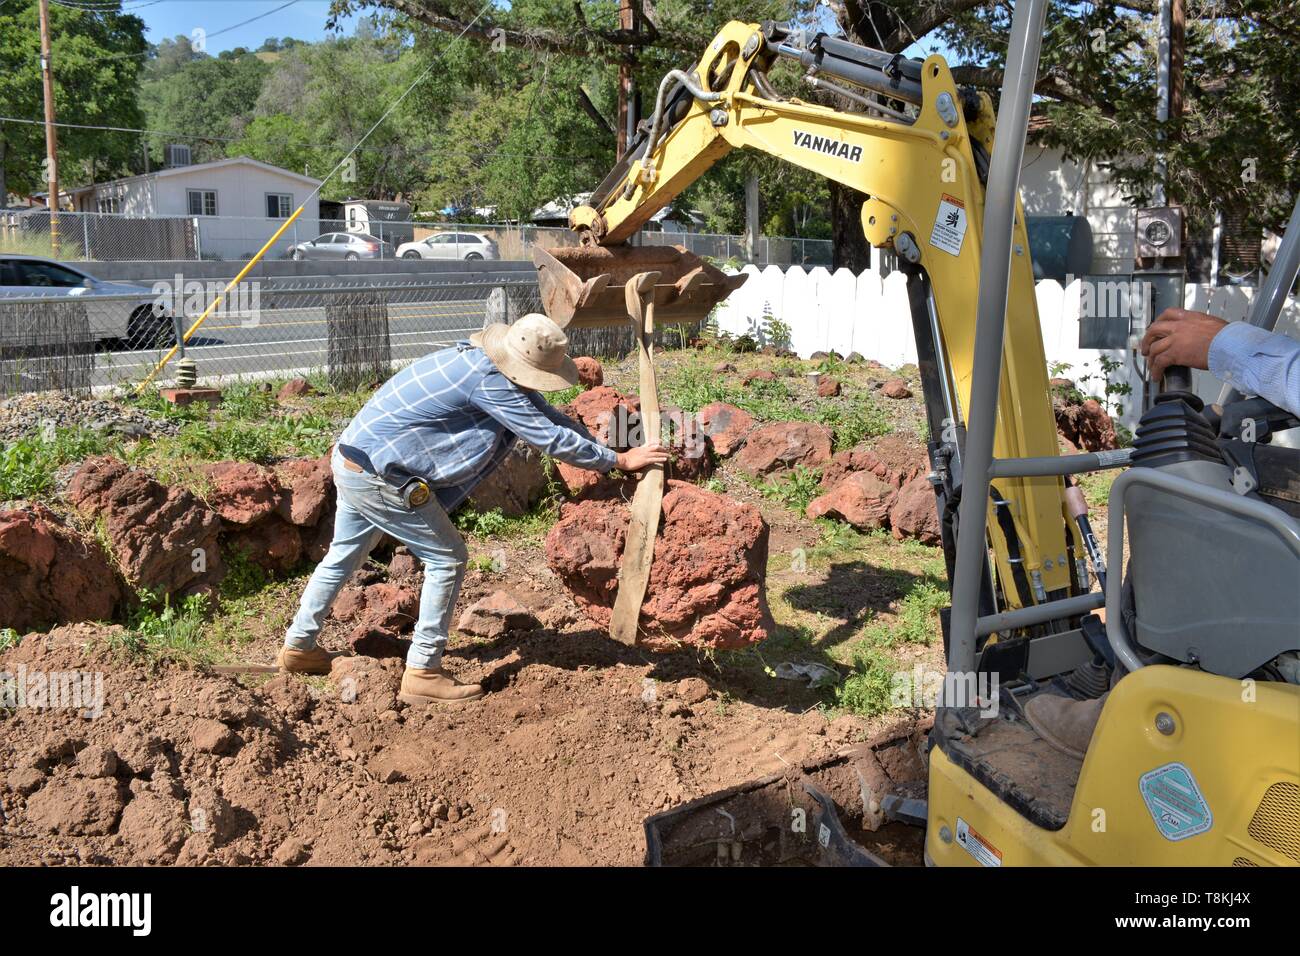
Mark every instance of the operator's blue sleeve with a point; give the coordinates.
(1256, 362)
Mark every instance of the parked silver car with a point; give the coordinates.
(118, 312)
(342, 245)
(468, 246)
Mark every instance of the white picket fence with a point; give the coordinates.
(842, 312)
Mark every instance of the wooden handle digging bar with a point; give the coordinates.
(639, 545)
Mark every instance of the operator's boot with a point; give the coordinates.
(1064, 723)
(433, 685)
(315, 661)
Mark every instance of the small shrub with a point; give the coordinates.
(27, 466)
(866, 691)
(158, 630)
(795, 489)
(482, 524)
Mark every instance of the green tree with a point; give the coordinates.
(319, 99)
(200, 100)
(95, 59)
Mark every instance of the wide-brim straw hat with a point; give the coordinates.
(532, 353)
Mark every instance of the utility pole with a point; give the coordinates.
(626, 107)
(751, 218)
(1177, 41)
(51, 137)
(1163, 46)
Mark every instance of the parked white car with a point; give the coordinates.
(467, 246)
(118, 312)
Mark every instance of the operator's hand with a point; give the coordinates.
(642, 456)
(1179, 337)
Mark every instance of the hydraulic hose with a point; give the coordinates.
(678, 78)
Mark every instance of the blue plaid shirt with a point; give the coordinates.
(451, 417)
(1256, 362)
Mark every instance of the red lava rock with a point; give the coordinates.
(688, 445)
(1086, 425)
(306, 490)
(914, 514)
(726, 426)
(294, 388)
(495, 615)
(603, 408)
(379, 614)
(76, 806)
(404, 565)
(590, 372)
(271, 543)
(706, 584)
(760, 375)
(316, 541)
(242, 492)
(896, 388)
(51, 574)
(515, 485)
(371, 641)
(781, 445)
(828, 387)
(892, 458)
(164, 538)
(861, 499)
(577, 480)
(722, 368)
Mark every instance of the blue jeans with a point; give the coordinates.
(368, 508)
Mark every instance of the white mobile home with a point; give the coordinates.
(237, 203)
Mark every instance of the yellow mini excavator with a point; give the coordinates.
(1193, 664)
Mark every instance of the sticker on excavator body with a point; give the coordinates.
(949, 225)
(985, 853)
(1175, 801)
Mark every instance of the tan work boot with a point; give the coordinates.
(315, 661)
(1065, 724)
(433, 685)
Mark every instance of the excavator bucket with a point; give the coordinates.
(583, 286)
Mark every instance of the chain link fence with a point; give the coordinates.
(111, 237)
(354, 327)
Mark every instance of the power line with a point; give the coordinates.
(205, 137)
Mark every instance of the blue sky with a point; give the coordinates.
(304, 19)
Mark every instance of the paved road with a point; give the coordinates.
(295, 339)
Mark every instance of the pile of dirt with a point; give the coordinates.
(578, 742)
(706, 581)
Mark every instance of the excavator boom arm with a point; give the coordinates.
(923, 177)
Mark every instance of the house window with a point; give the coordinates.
(203, 202)
(279, 205)
(108, 204)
